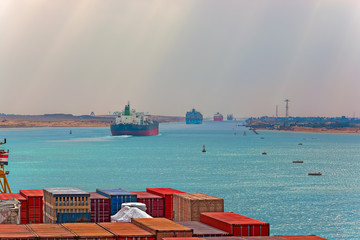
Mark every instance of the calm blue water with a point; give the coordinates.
(266, 187)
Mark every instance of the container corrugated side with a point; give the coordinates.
(100, 208)
(236, 224)
(124, 231)
(167, 194)
(15, 231)
(154, 203)
(304, 237)
(203, 230)
(89, 231)
(246, 238)
(34, 198)
(184, 238)
(51, 231)
(188, 206)
(73, 217)
(117, 197)
(162, 227)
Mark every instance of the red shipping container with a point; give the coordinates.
(89, 231)
(167, 194)
(236, 224)
(15, 231)
(154, 203)
(304, 237)
(100, 207)
(127, 231)
(34, 205)
(23, 202)
(51, 231)
(184, 238)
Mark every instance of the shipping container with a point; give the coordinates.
(184, 238)
(154, 203)
(73, 217)
(15, 231)
(10, 211)
(188, 206)
(64, 201)
(100, 207)
(51, 231)
(304, 237)
(246, 238)
(127, 231)
(167, 194)
(23, 204)
(203, 230)
(117, 197)
(162, 227)
(236, 224)
(34, 212)
(89, 231)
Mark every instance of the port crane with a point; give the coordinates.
(4, 156)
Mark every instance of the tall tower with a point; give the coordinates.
(277, 115)
(287, 113)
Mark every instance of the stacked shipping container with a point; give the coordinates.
(188, 206)
(203, 230)
(117, 197)
(127, 231)
(89, 231)
(64, 204)
(236, 224)
(15, 231)
(167, 194)
(100, 208)
(34, 211)
(162, 227)
(154, 203)
(51, 231)
(23, 204)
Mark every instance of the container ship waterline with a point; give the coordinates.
(130, 122)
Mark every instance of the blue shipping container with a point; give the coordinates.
(73, 217)
(117, 197)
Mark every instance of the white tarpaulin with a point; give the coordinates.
(126, 213)
(10, 211)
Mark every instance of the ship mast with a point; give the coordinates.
(4, 184)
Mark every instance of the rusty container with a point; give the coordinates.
(202, 230)
(16, 231)
(188, 206)
(162, 227)
(100, 207)
(127, 231)
(34, 212)
(51, 231)
(89, 231)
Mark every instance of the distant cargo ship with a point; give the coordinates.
(130, 122)
(194, 117)
(218, 117)
(230, 117)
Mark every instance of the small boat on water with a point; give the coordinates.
(298, 161)
(300, 144)
(315, 174)
(264, 153)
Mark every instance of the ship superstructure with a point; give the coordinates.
(218, 117)
(194, 117)
(130, 122)
(229, 117)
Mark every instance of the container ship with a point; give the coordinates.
(218, 117)
(230, 117)
(130, 122)
(194, 117)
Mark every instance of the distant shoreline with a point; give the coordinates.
(317, 130)
(67, 120)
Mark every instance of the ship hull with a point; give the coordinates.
(193, 121)
(134, 129)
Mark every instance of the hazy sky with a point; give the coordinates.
(165, 57)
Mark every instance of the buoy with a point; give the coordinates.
(203, 149)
